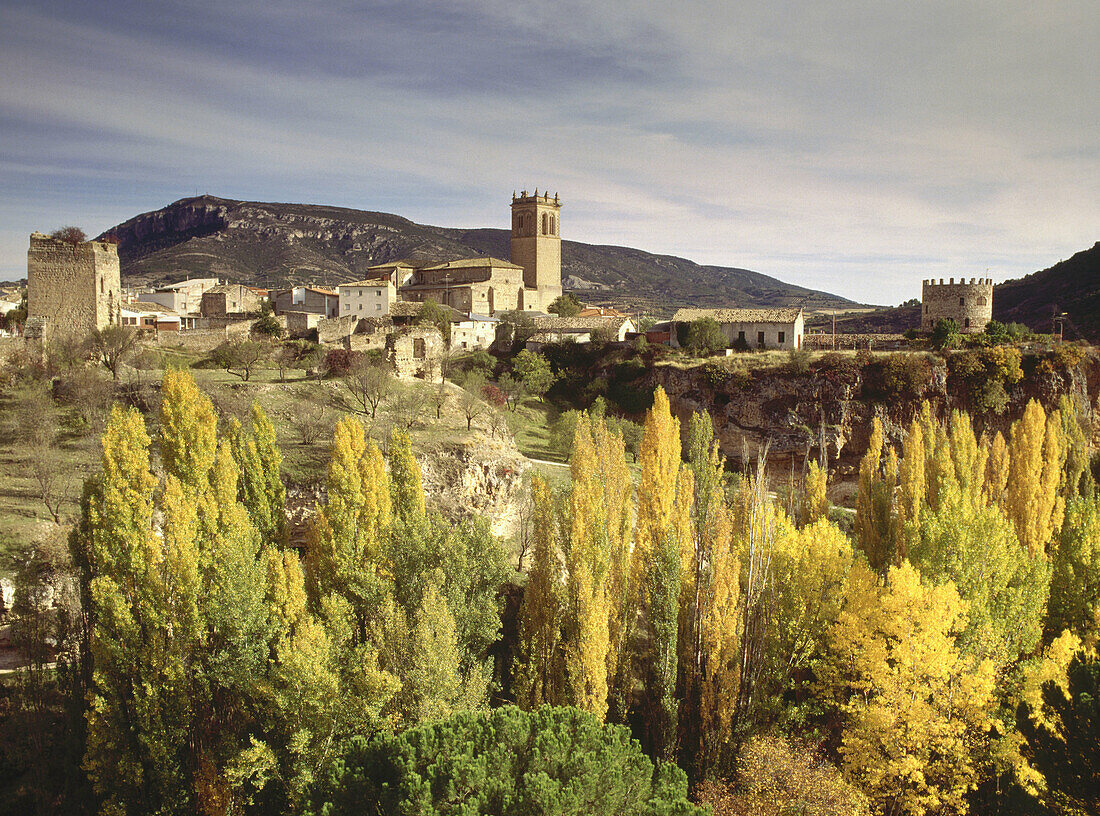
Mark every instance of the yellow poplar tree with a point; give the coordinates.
(876, 525)
(708, 633)
(996, 472)
(139, 706)
(915, 709)
(663, 524)
(538, 679)
(911, 475)
(1033, 502)
(406, 486)
(815, 502)
(596, 562)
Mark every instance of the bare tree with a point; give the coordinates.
(70, 235)
(408, 405)
(472, 404)
(440, 397)
(112, 345)
(311, 423)
(366, 386)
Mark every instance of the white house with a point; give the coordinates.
(183, 297)
(474, 331)
(371, 297)
(756, 328)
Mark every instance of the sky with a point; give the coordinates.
(851, 146)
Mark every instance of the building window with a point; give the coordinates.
(347, 307)
(782, 337)
(981, 300)
(760, 338)
(962, 301)
(418, 348)
(966, 323)
(377, 307)
(741, 336)
(360, 307)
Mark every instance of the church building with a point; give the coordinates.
(531, 281)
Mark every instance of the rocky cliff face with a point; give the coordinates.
(481, 476)
(786, 410)
(484, 476)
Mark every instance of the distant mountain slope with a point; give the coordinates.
(276, 244)
(1071, 286)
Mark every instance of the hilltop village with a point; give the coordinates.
(74, 289)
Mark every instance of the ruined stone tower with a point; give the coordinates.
(970, 305)
(72, 289)
(536, 246)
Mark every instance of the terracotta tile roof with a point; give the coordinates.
(738, 315)
(552, 323)
(471, 263)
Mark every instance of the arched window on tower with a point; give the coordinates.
(981, 300)
(545, 224)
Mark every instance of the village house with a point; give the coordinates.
(183, 297)
(370, 297)
(756, 328)
(474, 332)
(229, 299)
(153, 317)
(550, 329)
(311, 299)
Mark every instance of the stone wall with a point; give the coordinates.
(74, 287)
(299, 324)
(417, 351)
(970, 305)
(334, 329)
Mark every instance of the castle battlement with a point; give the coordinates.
(962, 282)
(968, 303)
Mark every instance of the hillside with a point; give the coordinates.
(276, 244)
(1071, 286)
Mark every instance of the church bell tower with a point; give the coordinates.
(536, 246)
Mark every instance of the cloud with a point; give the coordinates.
(851, 146)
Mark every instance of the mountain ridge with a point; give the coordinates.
(276, 244)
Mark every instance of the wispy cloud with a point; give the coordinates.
(850, 146)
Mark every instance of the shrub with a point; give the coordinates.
(504, 762)
(798, 360)
(705, 336)
(945, 335)
(715, 374)
(338, 362)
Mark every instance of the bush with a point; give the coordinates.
(505, 762)
(705, 336)
(838, 369)
(338, 362)
(945, 335)
(798, 360)
(715, 374)
(905, 376)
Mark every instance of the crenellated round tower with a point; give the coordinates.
(970, 305)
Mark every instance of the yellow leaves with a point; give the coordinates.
(915, 706)
(815, 501)
(1036, 459)
(405, 481)
(188, 430)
